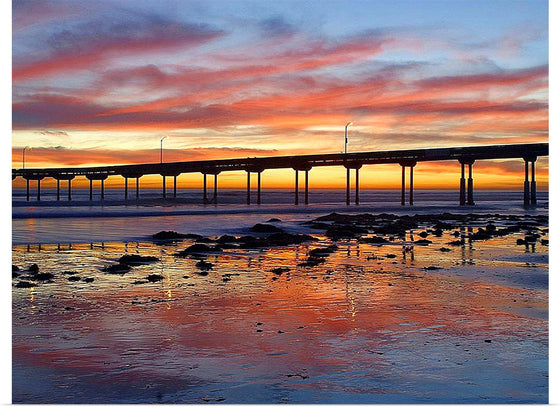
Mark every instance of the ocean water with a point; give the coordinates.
(115, 219)
(392, 323)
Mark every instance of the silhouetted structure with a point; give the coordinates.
(351, 161)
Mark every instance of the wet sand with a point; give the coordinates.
(394, 323)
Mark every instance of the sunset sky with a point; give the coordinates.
(101, 82)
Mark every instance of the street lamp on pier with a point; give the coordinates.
(346, 137)
(161, 149)
(23, 155)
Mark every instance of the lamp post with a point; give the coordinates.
(23, 153)
(161, 149)
(346, 137)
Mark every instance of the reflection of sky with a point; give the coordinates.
(258, 78)
(353, 326)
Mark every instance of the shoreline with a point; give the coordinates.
(453, 306)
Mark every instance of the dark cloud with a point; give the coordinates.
(94, 42)
(276, 26)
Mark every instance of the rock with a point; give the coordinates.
(488, 340)
(265, 228)
(204, 240)
(274, 220)
(423, 242)
(204, 265)
(544, 242)
(25, 284)
(152, 278)
(323, 251)
(226, 246)
(444, 249)
(430, 268)
(70, 273)
(285, 239)
(338, 232)
(117, 269)
(374, 240)
(202, 273)
(456, 243)
(15, 268)
(43, 276)
(318, 225)
(390, 256)
(226, 239)
(172, 235)
(279, 270)
(423, 234)
(89, 279)
(520, 242)
(135, 259)
(33, 269)
(438, 232)
(74, 278)
(312, 262)
(197, 248)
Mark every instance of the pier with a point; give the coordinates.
(465, 156)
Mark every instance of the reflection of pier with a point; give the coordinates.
(351, 161)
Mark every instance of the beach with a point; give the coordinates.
(434, 304)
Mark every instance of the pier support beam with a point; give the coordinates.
(470, 188)
(259, 187)
(296, 188)
(355, 166)
(305, 167)
(125, 188)
(137, 188)
(307, 187)
(215, 198)
(462, 191)
(357, 186)
(411, 192)
(204, 190)
(248, 187)
(347, 185)
(175, 186)
(205, 199)
(27, 188)
(404, 164)
(38, 189)
(403, 182)
(59, 178)
(91, 178)
(526, 194)
(163, 186)
(533, 184)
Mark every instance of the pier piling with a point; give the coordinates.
(533, 184)
(125, 188)
(462, 192)
(296, 189)
(259, 187)
(248, 187)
